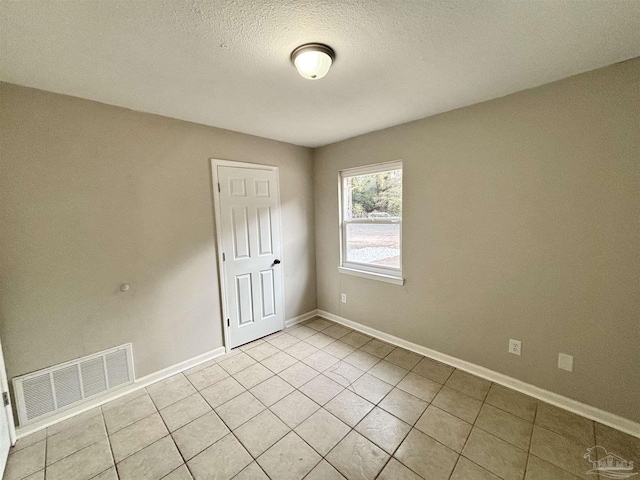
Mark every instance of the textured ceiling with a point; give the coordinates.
(226, 63)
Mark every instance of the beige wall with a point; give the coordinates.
(521, 220)
(92, 196)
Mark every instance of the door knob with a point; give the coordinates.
(276, 262)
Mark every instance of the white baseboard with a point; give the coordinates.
(125, 390)
(300, 318)
(588, 411)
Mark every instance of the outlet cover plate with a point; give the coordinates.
(344, 298)
(515, 346)
(565, 362)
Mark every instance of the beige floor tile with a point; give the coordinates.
(137, 436)
(568, 424)
(377, 348)
(339, 349)
(371, 388)
(324, 471)
(171, 390)
(426, 457)
(355, 339)
(298, 374)
(301, 350)
(271, 390)
(321, 389)
(303, 332)
(458, 404)
(294, 409)
(109, 474)
(319, 340)
(25, 462)
(495, 455)
(362, 360)
(194, 437)
(355, 457)
(75, 438)
(394, 470)
(436, 371)
(560, 451)
(236, 363)
(283, 341)
(619, 443)
(262, 431)
(349, 407)
(40, 476)
(503, 425)
(221, 461)
(240, 409)
(388, 372)
(468, 384)
(403, 405)
(83, 464)
(383, 429)
(252, 472)
(343, 373)
(248, 346)
(322, 431)
(180, 473)
(320, 360)
(444, 427)
(319, 324)
(202, 365)
(253, 375)
(403, 358)
(419, 386)
(28, 441)
(538, 469)
(279, 362)
(337, 331)
(289, 459)
(129, 413)
(222, 392)
(122, 400)
(207, 376)
(513, 402)
(184, 411)
(58, 427)
(467, 470)
(261, 352)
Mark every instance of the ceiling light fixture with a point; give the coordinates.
(313, 60)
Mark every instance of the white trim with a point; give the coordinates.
(372, 276)
(215, 163)
(374, 168)
(300, 318)
(588, 411)
(132, 387)
(8, 410)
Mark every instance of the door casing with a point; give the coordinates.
(215, 163)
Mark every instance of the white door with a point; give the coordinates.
(5, 421)
(250, 229)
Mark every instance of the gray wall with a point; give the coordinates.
(92, 196)
(521, 220)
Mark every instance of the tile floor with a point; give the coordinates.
(319, 401)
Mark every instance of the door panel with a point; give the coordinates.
(250, 231)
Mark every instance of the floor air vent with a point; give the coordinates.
(68, 384)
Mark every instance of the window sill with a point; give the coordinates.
(372, 276)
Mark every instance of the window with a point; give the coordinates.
(371, 222)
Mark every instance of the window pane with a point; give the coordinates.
(374, 196)
(376, 244)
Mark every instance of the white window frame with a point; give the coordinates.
(378, 272)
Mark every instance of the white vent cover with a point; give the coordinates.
(68, 384)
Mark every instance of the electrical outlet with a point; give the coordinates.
(565, 362)
(515, 347)
(344, 298)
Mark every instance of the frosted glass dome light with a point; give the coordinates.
(313, 60)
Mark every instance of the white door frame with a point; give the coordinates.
(215, 163)
(8, 410)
